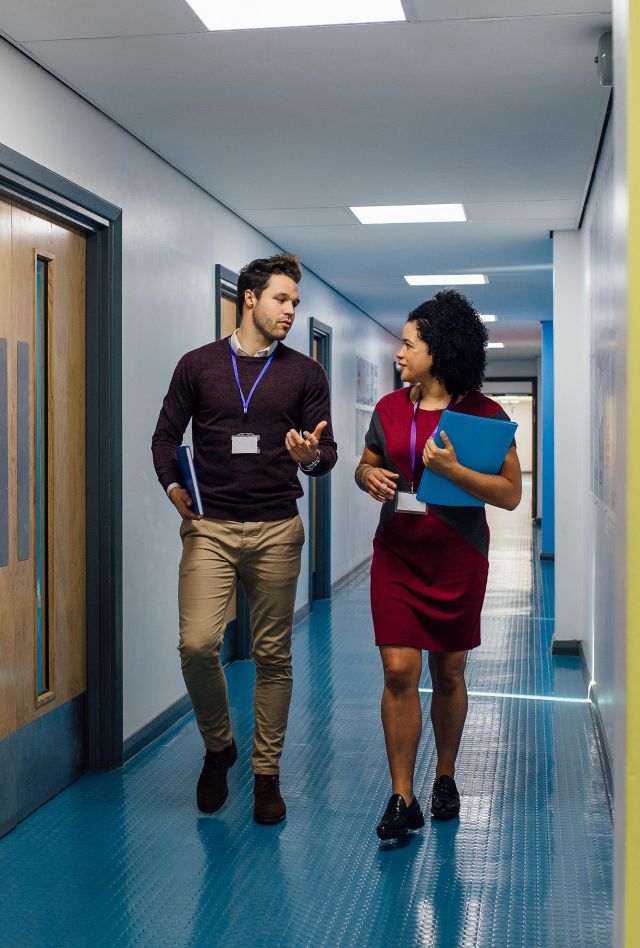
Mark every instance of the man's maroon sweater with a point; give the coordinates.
(293, 393)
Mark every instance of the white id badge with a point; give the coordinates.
(406, 502)
(245, 443)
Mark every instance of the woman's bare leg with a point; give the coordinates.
(401, 714)
(448, 707)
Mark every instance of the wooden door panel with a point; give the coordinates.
(67, 413)
(27, 231)
(32, 237)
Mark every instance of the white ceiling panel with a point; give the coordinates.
(552, 212)
(480, 9)
(492, 103)
(344, 119)
(300, 217)
(74, 19)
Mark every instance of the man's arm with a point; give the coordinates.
(174, 417)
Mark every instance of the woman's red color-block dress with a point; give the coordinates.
(429, 571)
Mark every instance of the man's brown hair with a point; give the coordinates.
(257, 274)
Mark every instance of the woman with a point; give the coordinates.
(429, 568)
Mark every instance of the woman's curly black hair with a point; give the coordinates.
(457, 340)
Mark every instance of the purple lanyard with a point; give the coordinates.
(245, 401)
(414, 433)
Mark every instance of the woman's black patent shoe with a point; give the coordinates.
(398, 818)
(445, 799)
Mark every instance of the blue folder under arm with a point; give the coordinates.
(189, 478)
(480, 444)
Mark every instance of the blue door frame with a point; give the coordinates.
(320, 489)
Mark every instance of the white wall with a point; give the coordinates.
(589, 476)
(604, 487)
(173, 235)
(571, 383)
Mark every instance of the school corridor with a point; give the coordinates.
(124, 858)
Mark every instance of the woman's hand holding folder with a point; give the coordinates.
(440, 460)
(503, 489)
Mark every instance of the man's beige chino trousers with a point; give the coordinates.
(266, 558)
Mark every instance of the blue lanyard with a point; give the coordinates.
(414, 433)
(245, 401)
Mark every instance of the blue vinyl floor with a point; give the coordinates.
(124, 858)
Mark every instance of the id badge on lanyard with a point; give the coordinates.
(406, 500)
(245, 442)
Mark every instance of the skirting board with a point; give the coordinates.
(155, 727)
(604, 752)
(568, 647)
(352, 575)
(603, 748)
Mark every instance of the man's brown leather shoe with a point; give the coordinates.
(212, 788)
(268, 807)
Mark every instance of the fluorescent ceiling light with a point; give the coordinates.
(257, 15)
(447, 279)
(495, 345)
(487, 318)
(410, 214)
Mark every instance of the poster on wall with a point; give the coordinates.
(366, 395)
(366, 382)
(363, 420)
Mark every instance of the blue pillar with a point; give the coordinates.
(547, 546)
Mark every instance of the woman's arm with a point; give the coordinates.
(501, 490)
(373, 479)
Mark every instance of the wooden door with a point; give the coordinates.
(42, 510)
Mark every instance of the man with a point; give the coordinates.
(249, 397)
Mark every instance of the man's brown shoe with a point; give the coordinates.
(268, 807)
(212, 788)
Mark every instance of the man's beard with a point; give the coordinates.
(267, 331)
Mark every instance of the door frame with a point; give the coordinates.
(42, 191)
(321, 538)
(534, 394)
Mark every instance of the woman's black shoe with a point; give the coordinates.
(399, 818)
(445, 799)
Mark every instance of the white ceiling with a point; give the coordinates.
(494, 103)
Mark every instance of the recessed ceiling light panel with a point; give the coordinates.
(258, 15)
(447, 279)
(410, 214)
(486, 318)
(495, 345)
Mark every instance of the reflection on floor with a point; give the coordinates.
(124, 858)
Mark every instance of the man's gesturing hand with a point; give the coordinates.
(181, 500)
(304, 449)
